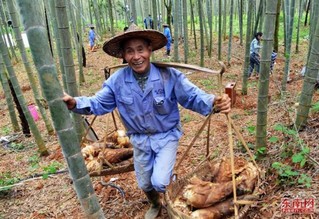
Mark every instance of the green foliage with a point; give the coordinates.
(51, 168)
(286, 173)
(301, 157)
(273, 139)
(16, 146)
(186, 118)
(315, 107)
(34, 161)
(6, 179)
(304, 179)
(284, 170)
(285, 130)
(208, 84)
(251, 129)
(5, 130)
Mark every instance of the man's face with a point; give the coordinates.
(137, 53)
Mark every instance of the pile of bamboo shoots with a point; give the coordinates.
(116, 149)
(210, 196)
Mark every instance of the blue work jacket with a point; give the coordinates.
(153, 111)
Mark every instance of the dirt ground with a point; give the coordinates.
(55, 197)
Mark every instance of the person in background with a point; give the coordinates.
(254, 54)
(148, 98)
(92, 38)
(167, 34)
(273, 61)
(148, 22)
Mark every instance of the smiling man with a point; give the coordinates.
(147, 99)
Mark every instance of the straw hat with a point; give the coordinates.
(165, 25)
(113, 46)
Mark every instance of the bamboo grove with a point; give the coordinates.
(55, 29)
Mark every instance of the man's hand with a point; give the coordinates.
(69, 101)
(222, 104)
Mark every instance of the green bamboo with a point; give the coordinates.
(9, 100)
(219, 30)
(193, 23)
(309, 81)
(12, 77)
(63, 27)
(175, 24)
(185, 31)
(201, 28)
(97, 15)
(77, 45)
(298, 25)
(290, 10)
(110, 6)
(154, 8)
(38, 99)
(53, 93)
(247, 50)
(4, 23)
(240, 22)
(210, 26)
(53, 16)
(79, 31)
(263, 88)
(230, 31)
(224, 19)
(276, 44)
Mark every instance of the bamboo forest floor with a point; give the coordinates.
(55, 197)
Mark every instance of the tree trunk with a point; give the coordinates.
(13, 79)
(247, 49)
(77, 45)
(201, 28)
(193, 23)
(240, 17)
(262, 106)
(175, 24)
(63, 26)
(110, 6)
(224, 18)
(185, 31)
(298, 25)
(219, 30)
(230, 30)
(80, 38)
(169, 13)
(154, 6)
(57, 40)
(290, 10)
(4, 24)
(307, 13)
(8, 96)
(310, 80)
(134, 13)
(277, 26)
(97, 17)
(38, 99)
(53, 93)
(24, 123)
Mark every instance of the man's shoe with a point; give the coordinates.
(154, 199)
